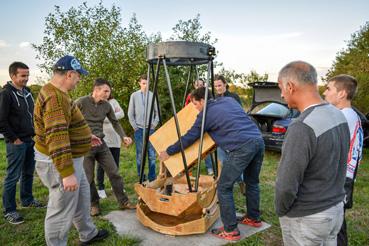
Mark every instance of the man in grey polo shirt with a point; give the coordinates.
(311, 173)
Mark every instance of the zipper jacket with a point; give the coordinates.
(16, 113)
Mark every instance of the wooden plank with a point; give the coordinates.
(167, 135)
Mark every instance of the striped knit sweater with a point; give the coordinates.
(61, 131)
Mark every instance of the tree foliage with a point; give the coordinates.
(116, 52)
(243, 78)
(96, 37)
(354, 60)
(239, 83)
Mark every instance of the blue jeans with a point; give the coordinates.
(151, 154)
(21, 165)
(222, 155)
(247, 160)
(208, 162)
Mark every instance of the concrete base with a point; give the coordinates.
(126, 223)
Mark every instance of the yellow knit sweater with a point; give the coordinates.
(61, 131)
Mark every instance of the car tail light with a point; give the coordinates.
(279, 129)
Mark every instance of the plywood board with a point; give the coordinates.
(167, 135)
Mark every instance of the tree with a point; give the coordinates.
(354, 60)
(190, 30)
(239, 83)
(243, 79)
(96, 37)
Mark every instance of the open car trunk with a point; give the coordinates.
(265, 92)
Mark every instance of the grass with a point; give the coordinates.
(32, 231)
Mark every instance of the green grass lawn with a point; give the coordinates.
(31, 232)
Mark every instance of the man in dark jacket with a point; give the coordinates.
(232, 130)
(16, 124)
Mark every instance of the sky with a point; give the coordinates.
(259, 35)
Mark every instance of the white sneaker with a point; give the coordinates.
(210, 171)
(102, 194)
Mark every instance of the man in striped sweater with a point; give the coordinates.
(62, 139)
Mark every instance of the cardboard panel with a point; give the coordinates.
(167, 135)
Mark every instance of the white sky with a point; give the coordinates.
(262, 35)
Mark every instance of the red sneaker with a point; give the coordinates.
(230, 236)
(250, 222)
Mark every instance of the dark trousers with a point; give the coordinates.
(151, 154)
(103, 156)
(21, 165)
(342, 239)
(100, 171)
(247, 160)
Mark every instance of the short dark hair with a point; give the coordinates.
(100, 82)
(142, 77)
(14, 67)
(345, 82)
(199, 94)
(60, 72)
(199, 79)
(220, 77)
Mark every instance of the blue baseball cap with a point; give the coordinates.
(69, 63)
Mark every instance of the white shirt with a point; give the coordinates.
(112, 139)
(356, 141)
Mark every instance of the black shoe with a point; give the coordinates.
(34, 204)
(14, 218)
(101, 234)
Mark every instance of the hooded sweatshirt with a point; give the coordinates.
(16, 113)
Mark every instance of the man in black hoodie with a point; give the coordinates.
(16, 124)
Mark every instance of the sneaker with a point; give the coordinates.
(34, 204)
(14, 218)
(102, 194)
(101, 234)
(210, 171)
(95, 211)
(127, 205)
(231, 236)
(248, 221)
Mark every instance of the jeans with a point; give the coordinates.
(151, 154)
(100, 171)
(247, 160)
(21, 165)
(222, 155)
(65, 207)
(315, 229)
(208, 163)
(103, 156)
